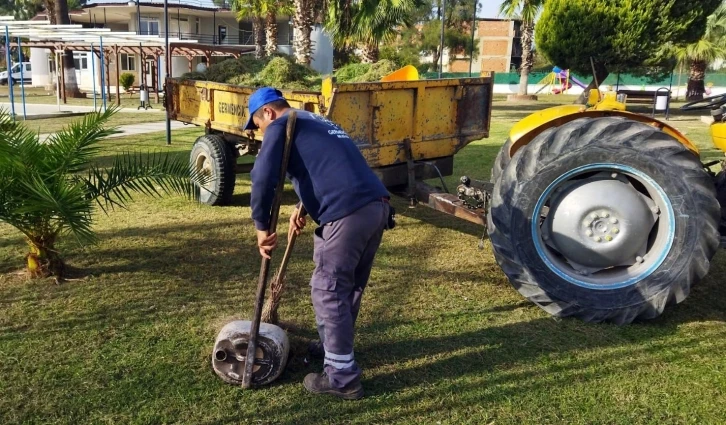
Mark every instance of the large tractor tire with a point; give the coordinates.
(213, 158)
(604, 219)
(721, 195)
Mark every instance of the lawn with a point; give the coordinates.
(51, 125)
(39, 95)
(442, 336)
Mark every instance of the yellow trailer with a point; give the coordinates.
(408, 131)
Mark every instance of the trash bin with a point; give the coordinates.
(661, 101)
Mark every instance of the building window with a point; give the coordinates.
(80, 60)
(197, 26)
(149, 26)
(128, 62)
(222, 33)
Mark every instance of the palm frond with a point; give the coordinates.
(70, 150)
(55, 208)
(152, 176)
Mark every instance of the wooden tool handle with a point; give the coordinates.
(265, 266)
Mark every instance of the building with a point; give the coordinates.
(209, 22)
(500, 48)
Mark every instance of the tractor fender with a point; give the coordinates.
(529, 127)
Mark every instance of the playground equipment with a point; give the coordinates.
(559, 81)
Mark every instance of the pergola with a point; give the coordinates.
(103, 43)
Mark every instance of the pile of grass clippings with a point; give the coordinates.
(277, 71)
(282, 72)
(365, 72)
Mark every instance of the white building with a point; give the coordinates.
(206, 21)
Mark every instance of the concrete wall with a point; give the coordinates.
(41, 71)
(322, 60)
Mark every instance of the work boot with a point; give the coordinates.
(316, 350)
(318, 383)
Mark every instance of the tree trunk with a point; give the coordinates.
(258, 29)
(370, 52)
(435, 64)
(43, 260)
(696, 88)
(527, 57)
(70, 83)
(271, 33)
(601, 73)
(302, 22)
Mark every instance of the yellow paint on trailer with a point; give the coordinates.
(432, 118)
(718, 134)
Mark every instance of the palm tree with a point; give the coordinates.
(711, 47)
(527, 10)
(303, 20)
(272, 8)
(57, 13)
(253, 9)
(48, 189)
(367, 23)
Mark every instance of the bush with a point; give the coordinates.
(126, 80)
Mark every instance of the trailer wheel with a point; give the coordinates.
(604, 219)
(212, 157)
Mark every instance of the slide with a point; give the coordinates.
(578, 82)
(563, 74)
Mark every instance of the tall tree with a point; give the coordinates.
(527, 11)
(366, 23)
(303, 21)
(706, 50)
(425, 32)
(57, 12)
(273, 8)
(253, 10)
(617, 34)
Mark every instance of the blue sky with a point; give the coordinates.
(490, 8)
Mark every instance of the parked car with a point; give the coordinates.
(26, 77)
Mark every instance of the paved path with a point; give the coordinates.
(148, 127)
(50, 109)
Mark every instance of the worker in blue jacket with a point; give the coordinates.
(350, 205)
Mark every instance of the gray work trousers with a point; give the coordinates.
(344, 253)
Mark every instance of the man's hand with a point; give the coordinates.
(297, 223)
(266, 243)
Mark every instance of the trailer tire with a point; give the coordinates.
(561, 168)
(212, 155)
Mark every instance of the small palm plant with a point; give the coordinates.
(49, 189)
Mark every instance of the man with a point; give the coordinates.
(340, 193)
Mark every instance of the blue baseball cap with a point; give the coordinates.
(260, 98)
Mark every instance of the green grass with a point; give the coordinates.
(39, 95)
(442, 336)
(52, 125)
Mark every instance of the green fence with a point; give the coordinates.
(716, 79)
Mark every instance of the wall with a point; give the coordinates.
(322, 60)
(39, 63)
(495, 45)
